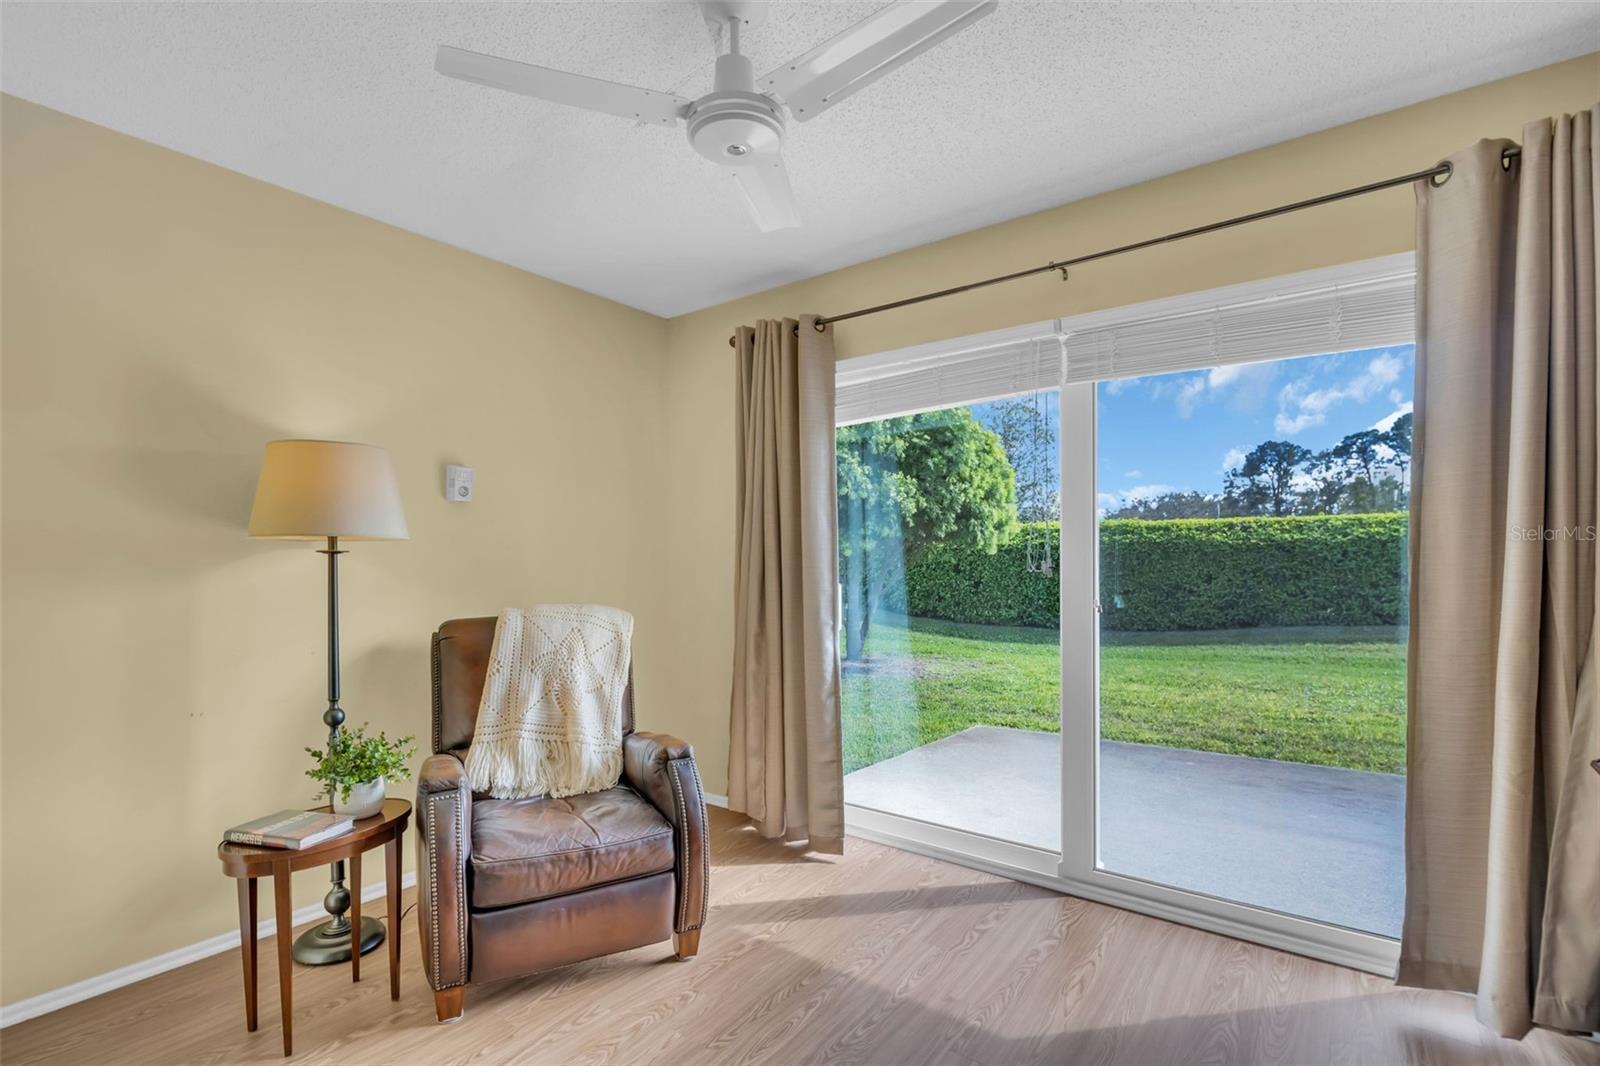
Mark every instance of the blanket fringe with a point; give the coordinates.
(526, 768)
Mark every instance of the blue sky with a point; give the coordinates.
(1180, 431)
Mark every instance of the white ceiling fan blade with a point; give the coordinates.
(832, 71)
(768, 194)
(575, 90)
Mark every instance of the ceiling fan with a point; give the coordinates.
(740, 123)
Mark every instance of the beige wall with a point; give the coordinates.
(163, 319)
(697, 654)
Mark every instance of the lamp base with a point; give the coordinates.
(324, 945)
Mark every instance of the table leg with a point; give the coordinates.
(391, 861)
(355, 914)
(285, 939)
(247, 947)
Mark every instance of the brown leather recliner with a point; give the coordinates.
(510, 887)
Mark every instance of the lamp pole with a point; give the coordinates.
(324, 490)
(328, 943)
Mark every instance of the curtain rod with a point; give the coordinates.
(1442, 170)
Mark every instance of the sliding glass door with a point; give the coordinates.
(1124, 601)
(948, 542)
(1251, 584)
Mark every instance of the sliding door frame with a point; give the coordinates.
(1080, 873)
(1076, 870)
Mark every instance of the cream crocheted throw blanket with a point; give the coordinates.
(550, 722)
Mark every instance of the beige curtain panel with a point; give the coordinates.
(1503, 807)
(784, 765)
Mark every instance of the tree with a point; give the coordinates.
(1398, 439)
(1188, 504)
(904, 483)
(1265, 482)
(1330, 481)
(1365, 472)
(1368, 471)
(1030, 445)
(1361, 452)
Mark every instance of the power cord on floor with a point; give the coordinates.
(403, 914)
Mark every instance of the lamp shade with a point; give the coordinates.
(311, 489)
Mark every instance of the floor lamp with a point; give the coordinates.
(329, 491)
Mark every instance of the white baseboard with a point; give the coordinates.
(90, 987)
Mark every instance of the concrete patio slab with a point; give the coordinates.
(1316, 841)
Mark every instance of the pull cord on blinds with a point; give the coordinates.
(1365, 305)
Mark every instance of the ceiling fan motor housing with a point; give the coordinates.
(734, 125)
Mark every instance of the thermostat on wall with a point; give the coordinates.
(458, 483)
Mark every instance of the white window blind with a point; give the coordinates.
(992, 366)
(1366, 304)
(1340, 316)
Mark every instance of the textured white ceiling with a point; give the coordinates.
(1038, 104)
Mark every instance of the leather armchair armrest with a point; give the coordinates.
(662, 769)
(444, 835)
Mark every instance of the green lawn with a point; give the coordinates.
(1334, 697)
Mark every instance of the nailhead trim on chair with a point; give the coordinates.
(438, 699)
(683, 831)
(433, 880)
(431, 836)
(705, 845)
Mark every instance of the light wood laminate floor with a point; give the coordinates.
(880, 956)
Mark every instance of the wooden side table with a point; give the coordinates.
(246, 863)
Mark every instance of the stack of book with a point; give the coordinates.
(289, 829)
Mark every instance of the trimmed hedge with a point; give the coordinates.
(966, 584)
(1187, 573)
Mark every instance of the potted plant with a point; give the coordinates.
(355, 768)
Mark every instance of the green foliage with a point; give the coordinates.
(906, 484)
(1198, 573)
(1311, 570)
(353, 757)
(1030, 446)
(963, 583)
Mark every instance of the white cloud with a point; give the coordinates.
(1219, 377)
(1251, 385)
(1133, 475)
(1246, 385)
(1289, 425)
(1386, 423)
(1300, 406)
(1116, 385)
(1231, 458)
(1189, 395)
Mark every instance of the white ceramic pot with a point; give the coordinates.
(366, 799)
